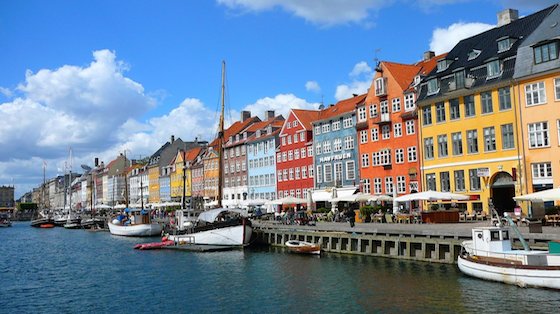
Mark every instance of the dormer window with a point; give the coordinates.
(443, 64)
(494, 69)
(417, 80)
(244, 135)
(258, 133)
(236, 137)
(546, 52)
(458, 80)
(269, 130)
(474, 54)
(504, 44)
(433, 86)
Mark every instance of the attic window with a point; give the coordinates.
(473, 54)
(258, 133)
(546, 52)
(494, 69)
(269, 130)
(504, 44)
(417, 80)
(443, 64)
(433, 86)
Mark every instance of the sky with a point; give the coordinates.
(82, 79)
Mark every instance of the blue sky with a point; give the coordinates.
(105, 76)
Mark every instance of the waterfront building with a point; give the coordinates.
(197, 174)
(235, 189)
(336, 152)
(98, 182)
(182, 175)
(138, 183)
(387, 125)
(7, 196)
(210, 163)
(537, 77)
(261, 157)
(468, 140)
(114, 181)
(295, 154)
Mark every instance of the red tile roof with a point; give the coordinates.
(306, 117)
(193, 153)
(403, 74)
(341, 107)
(235, 128)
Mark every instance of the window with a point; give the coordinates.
(546, 52)
(347, 122)
(454, 112)
(385, 132)
(310, 151)
(349, 142)
(538, 135)
(409, 104)
(411, 153)
(310, 171)
(295, 123)
(442, 145)
(444, 181)
(377, 186)
(459, 176)
(363, 136)
(493, 69)
(295, 138)
(389, 185)
(384, 107)
(304, 172)
(318, 148)
(366, 186)
(443, 64)
(504, 44)
(361, 114)
(337, 144)
(399, 155)
(385, 157)
(427, 115)
(507, 136)
(431, 181)
(457, 143)
(396, 104)
(557, 89)
(317, 131)
(459, 80)
(535, 94)
(296, 154)
(319, 174)
(489, 139)
(433, 87)
(474, 180)
(429, 148)
(486, 102)
(289, 125)
(336, 126)
(504, 98)
(279, 158)
(472, 141)
(558, 128)
(542, 173)
(302, 134)
(380, 86)
(328, 173)
(338, 172)
(290, 155)
(469, 106)
(397, 130)
(326, 147)
(410, 127)
(365, 160)
(401, 184)
(325, 128)
(350, 170)
(374, 134)
(373, 110)
(473, 54)
(440, 112)
(375, 159)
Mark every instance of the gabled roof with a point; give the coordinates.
(341, 107)
(236, 128)
(403, 74)
(193, 153)
(306, 117)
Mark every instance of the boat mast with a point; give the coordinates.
(221, 136)
(125, 183)
(184, 177)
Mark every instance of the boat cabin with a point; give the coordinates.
(186, 218)
(491, 239)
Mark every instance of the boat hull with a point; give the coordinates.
(523, 277)
(42, 223)
(303, 247)
(5, 224)
(231, 236)
(139, 230)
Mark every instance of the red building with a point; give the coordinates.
(294, 158)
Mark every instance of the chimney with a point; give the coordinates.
(96, 161)
(245, 115)
(428, 55)
(269, 114)
(172, 138)
(507, 16)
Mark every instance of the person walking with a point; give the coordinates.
(351, 217)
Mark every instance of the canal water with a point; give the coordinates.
(70, 271)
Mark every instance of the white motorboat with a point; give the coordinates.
(489, 256)
(220, 226)
(136, 224)
(5, 220)
(303, 247)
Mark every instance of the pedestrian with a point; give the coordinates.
(351, 217)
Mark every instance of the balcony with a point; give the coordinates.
(383, 118)
(362, 125)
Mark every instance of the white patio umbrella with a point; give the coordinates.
(256, 202)
(120, 206)
(309, 200)
(431, 196)
(287, 200)
(334, 196)
(381, 198)
(358, 197)
(543, 196)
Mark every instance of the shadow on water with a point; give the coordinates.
(62, 270)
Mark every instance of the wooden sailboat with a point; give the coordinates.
(220, 226)
(42, 217)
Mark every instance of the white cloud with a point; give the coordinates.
(281, 104)
(313, 86)
(325, 12)
(5, 91)
(444, 39)
(361, 76)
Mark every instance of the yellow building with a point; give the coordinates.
(177, 176)
(211, 174)
(468, 134)
(153, 178)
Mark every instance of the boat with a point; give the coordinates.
(489, 255)
(154, 245)
(42, 219)
(303, 247)
(136, 223)
(73, 221)
(219, 226)
(5, 220)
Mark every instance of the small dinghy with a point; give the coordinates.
(303, 247)
(153, 245)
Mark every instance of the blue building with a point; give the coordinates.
(261, 159)
(336, 149)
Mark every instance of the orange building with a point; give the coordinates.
(387, 126)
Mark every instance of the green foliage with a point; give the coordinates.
(323, 210)
(27, 206)
(367, 210)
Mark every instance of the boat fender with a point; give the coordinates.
(116, 221)
(164, 238)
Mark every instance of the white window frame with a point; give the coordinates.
(396, 104)
(410, 127)
(535, 94)
(363, 136)
(412, 155)
(374, 134)
(538, 134)
(397, 130)
(409, 103)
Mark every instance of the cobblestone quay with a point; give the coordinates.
(440, 243)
